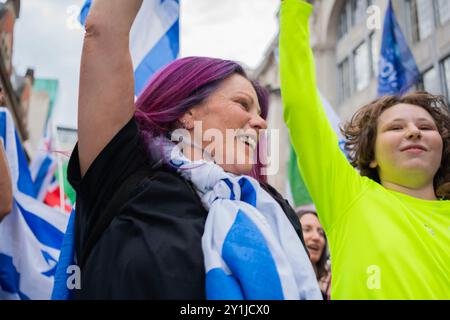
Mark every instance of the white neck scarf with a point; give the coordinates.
(251, 250)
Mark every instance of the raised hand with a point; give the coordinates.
(106, 96)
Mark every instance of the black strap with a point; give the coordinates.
(118, 199)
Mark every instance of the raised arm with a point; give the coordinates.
(330, 179)
(6, 197)
(106, 96)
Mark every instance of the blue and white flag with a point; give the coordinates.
(154, 38)
(43, 165)
(31, 234)
(398, 68)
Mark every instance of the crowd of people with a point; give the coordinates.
(157, 220)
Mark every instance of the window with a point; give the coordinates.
(343, 23)
(354, 12)
(425, 17)
(447, 75)
(358, 68)
(444, 11)
(425, 14)
(345, 80)
(422, 20)
(362, 66)
(413, 20)
(359, 8)
(375, 53)
(431, 82)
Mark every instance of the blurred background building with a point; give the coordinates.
(347, 51)
(15, 91)
(31, 101)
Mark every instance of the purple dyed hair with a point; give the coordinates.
(181, 85)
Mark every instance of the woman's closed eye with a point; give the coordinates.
(244, 104)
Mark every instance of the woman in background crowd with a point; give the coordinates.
(317, 245)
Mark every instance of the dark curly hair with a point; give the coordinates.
(361, 132)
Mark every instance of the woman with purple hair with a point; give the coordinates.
(141, 208)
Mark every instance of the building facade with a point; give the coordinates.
(43, 98)
(346, 39)
(15, 90)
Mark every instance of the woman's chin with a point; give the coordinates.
(238, 169)
(314, 259)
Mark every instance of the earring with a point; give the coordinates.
(185, 124)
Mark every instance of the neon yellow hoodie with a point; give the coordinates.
(384, 244)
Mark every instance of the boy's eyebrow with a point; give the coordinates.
(401, 119)
(397, 120)
(425, 119)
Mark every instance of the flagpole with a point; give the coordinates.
(60, 168)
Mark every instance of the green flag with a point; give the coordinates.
(299, 191)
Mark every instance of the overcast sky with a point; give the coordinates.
(47, 39)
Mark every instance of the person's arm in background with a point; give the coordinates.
(6, 196)
(106, 96)
(330, 179)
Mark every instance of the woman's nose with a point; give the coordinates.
(257, 122)
(315, 236)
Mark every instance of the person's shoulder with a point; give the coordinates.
(166, 191)
(167, 181)
(273, 192)
(123, 155)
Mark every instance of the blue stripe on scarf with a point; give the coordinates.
(220, 286)
(255, 267)
(3, 127)
(230, 185)
(248, 192)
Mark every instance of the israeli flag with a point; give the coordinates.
(31, 234)
(43, 165)
(398, 68)
(154, 38)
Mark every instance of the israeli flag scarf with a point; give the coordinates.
(251, 250)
